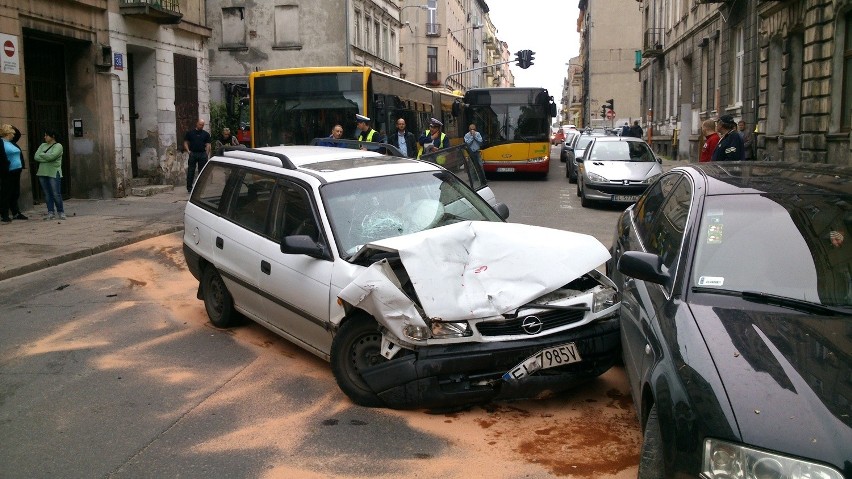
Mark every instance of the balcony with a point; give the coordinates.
(158, 11)
(652, 45)
(433, 29)
(433, 78)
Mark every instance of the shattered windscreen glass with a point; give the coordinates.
(370, 209)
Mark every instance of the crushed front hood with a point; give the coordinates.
(470, 270)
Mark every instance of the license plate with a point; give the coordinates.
(544, 359)
(505, 170)
(626, 197)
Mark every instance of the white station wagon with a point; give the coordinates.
(400, 275)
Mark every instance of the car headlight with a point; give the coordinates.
(596, 178)
(728, 460)
(457, 329)
(603, 299)
(650, 179)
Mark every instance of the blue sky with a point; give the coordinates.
(547, 27)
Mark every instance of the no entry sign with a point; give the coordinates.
(10, 59)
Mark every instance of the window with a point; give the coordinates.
(377, 40)
(738, 70)
(211, 190)
(251, 202)
(287, 26)
(367, 22)
(792, 105)
(385, 42)
(846, 97)
(293, 213)
(667, 233)
(357, 28)
(774, 74)
(432, 59)
(233, 27)
(648, 206)
(393, 48)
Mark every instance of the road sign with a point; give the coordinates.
(610, 114)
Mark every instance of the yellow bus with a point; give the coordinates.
(296, 105)
(515, 127)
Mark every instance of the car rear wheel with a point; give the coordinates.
(357, 345)
(651, 465)
(217, 300)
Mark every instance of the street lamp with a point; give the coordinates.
(465, 43)
(421, 7)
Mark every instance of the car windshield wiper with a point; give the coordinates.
(766, 298)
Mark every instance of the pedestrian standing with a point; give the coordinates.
(625, 130)
(474, 141)
(711, 139)
(433, 139)
(403, 139)
(636, 130)
(197, 143)
(730, 147)
(367, 133)
(49, 157)
(10, 174)
(748, 140)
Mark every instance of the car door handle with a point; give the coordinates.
(220, 242)
(265, 267)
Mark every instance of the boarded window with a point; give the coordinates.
(233, 26)
(287, 26)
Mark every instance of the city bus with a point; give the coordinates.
(296, 105)
(515, 127)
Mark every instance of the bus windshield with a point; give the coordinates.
(512, 115)
(294, 109)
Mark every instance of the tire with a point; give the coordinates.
(217, 300)
(356, 345)
(651, 462)
(585, 202)
(572, 173)
(578, 187)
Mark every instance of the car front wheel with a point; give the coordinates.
(217, 300)
(357, 345)
(651, 464)
(571, 173)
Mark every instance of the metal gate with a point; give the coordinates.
(186, 96)
(44, 63)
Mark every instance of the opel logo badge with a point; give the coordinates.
(532, 325)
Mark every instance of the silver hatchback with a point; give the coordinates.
(616, 169)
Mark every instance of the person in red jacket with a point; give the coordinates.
(711, 139)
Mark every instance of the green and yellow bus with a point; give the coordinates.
(296, 105)
(515, 127)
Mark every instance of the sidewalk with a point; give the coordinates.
(93, 226)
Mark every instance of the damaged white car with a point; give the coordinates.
(400, 275)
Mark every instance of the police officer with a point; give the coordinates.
(730, 147)
(367, 134)
(433, 139)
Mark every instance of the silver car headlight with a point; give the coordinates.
(458, 329)
(596, 178)
(728, 460)
(604, 298)
(650, 179)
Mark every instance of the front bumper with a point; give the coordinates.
(613, 192)
(456, 375)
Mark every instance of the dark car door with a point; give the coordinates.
(657, 222)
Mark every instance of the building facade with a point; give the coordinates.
(68, 69)
(610, 34)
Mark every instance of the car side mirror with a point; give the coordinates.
(643, 266)
(579, 159)
(659, 159)
(303, 244)
(502, 210)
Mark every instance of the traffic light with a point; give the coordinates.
(611, 104)
(524, 58)
(603, 111)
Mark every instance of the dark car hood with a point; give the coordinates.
(788, 377)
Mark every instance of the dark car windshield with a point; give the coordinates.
(371, 209)
(796, 246)
(621, 151)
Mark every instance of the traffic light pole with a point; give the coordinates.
(446, 80)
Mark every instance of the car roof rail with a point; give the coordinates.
(281, 160)
(383, 148)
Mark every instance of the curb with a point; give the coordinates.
(84, 253)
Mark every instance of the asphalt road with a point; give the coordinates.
(109, 368)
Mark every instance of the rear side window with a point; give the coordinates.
(211, 189)
(252, 200)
